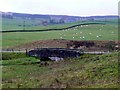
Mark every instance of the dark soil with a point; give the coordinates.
(62, 43)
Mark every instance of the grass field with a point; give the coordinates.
(87, 71)
(31, 24)
(109, 31)
(91, 32)
(13, 24)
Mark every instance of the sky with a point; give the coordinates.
(61, 7)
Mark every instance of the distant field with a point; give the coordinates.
(35, 24)
(13, 24)
(87, 71)
(91, 32)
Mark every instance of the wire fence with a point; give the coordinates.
(27, 50)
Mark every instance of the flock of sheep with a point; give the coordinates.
(62, 35)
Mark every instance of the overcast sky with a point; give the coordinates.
(61, 7)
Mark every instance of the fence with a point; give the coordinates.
(27, 50)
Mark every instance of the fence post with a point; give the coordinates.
(26, 51)
(19, 50)
(12, 50)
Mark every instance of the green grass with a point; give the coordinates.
(87, 71)
(107, 32)
(13, 24)
(12, 55)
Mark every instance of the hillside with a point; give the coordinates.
(36, 16)
(87, 71)
(22, 21)
(87, 32)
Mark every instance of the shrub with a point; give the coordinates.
(110, 45)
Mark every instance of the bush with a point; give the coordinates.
(110, 45)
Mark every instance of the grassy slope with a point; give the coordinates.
(88, 71)
(12, 24)
(107, 32)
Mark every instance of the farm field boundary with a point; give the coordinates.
(49, 29)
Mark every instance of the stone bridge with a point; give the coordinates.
(55, 53)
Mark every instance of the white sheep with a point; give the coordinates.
(60, 37)
(97, 36)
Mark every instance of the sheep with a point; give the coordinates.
(60, 37)
(83, 37)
